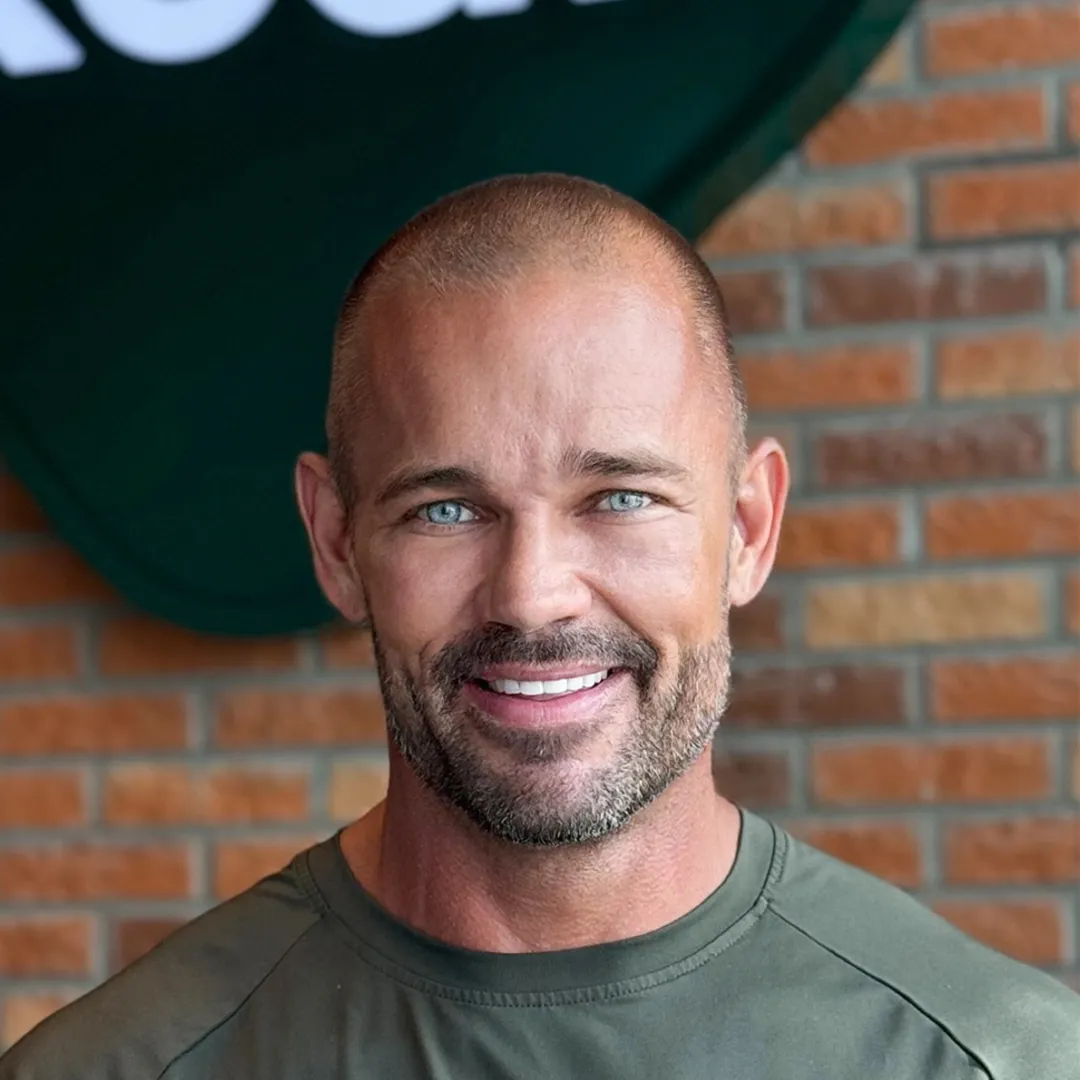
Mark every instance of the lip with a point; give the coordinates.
(524, 673)
(516, 710)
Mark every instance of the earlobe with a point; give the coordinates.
(328, 535)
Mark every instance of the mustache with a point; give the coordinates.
(463, 659)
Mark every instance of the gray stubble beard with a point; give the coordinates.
(443, 738)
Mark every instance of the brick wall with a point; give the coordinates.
(908, 690)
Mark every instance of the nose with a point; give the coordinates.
(534, 581)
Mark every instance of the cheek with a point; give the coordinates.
(419, 591)
(667, 582)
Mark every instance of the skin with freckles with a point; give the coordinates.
(546, 485)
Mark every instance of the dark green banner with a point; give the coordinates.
(190, 184)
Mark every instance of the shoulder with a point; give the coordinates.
(1013, 1020)
(135, 1024)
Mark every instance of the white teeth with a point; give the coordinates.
(556, 686)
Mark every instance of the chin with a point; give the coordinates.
(545, 830)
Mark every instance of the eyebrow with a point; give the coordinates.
(410, 480)
(580, 462)
(577, 462)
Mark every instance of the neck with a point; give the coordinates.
(434, 870)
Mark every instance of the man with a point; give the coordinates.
(539, 495)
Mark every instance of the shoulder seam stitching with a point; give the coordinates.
(885, 982)
(243, 1001)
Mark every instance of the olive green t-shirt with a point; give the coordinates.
(798, 967)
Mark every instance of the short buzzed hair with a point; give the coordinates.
(485, 236)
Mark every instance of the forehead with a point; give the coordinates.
(509, 378)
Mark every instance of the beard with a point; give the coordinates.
(537, 787)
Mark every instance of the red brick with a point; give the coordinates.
(816, 697)
(890, 851)
(925, 611)
(835, 378)
(140, 646)
(300, 718)
(1024, 687)
(1021, 851)
(355, 787)
(237, 865)
(347, 648)
(19, 513)
(88, 725)
(754, 300)
(984, 447)
(174, 794)
(859, 132)
(89, 872)
(1031, 931)
(134, 938)
(862, 534)
(41, 799)
(23, 1012)
(977, 42)
(252, 795)
(48, 574)
(1004, 526)
(934, 287)
(38, 652)
(774, 219)
(987, 770)
(753, 780)
(1072, 603)
(45, 948)
(1007, 363)
(1072, 105)
(758, 627)
(1006, 201)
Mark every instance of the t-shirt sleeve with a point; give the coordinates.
(1013, 1021)
(138, 1022)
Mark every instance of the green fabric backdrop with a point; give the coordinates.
(176, 238)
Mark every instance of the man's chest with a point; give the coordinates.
(343, 1035)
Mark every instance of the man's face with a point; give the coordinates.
(545, 504)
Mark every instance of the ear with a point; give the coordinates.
(329, 536)
(759, 509)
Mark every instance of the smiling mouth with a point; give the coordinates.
(545, 690)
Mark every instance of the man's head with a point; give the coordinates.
(538, 473)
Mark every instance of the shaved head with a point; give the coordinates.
(489, 235)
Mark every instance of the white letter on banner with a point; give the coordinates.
(385, 18)
(395, 18)
(481, 9)
(33, 41)
(172, 31)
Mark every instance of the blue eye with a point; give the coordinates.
(446, 513)
(623, 502)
